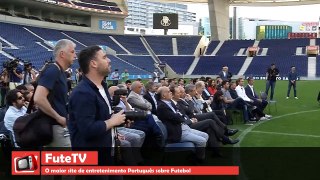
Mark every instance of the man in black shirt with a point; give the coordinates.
(271, 76)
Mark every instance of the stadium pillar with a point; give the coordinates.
(219, 19)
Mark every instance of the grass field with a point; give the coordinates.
(295, 122)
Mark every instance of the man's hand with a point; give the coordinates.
(62, 121)
(116, 120)
(194, 120)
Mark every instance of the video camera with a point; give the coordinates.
(11, 64)
(130, 115)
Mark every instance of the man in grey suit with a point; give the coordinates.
(136, 100)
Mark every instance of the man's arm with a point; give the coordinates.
(137, 103)
(18, 75)
(41, 99)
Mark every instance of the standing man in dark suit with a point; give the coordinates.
(249, 89)
(271, 76)
(92, 124)
(224, 74)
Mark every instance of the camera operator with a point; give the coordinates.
(132, 137)
(4, 84)
(29, 75)
(92, 123)
(15, 74)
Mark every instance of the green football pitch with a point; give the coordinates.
(295, 122)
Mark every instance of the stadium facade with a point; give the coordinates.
(140, 17)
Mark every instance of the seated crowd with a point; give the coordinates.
(196, 112)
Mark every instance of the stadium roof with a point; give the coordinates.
(252, 2)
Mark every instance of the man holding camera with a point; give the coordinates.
(15, 75)
(91, 121)
(29, 75)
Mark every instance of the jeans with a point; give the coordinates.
(294, 89)
(271, 84)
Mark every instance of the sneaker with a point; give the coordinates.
(268, 116)
(287, 97)
(296, 97)
(263, 118)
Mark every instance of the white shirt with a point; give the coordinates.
(105, 97)
(153, 98)
(242, 93)
(11, 116)
(251, 87)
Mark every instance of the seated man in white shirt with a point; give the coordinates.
(242, 93)
(15, 101)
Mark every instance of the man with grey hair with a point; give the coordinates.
(51, 94)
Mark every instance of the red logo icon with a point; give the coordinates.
(25, 163)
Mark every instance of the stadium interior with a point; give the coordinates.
(30, 29)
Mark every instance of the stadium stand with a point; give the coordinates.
(232, 47)
(180, 64)
(96, 39)
(283, 47)
(187, 44)
(212, 45)
(260, 64)
(51, 35)
(131, 43)
(144, 62)
(161, 45)
(121, 65)
(213, 64)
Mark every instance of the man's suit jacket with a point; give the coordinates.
(186, 110)
(148, 97)
(172, 120)
(138, 102)
(226, 77)
(249, 93)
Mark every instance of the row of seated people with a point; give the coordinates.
(225, 95)
(194, 125)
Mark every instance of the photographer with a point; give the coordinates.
(29, 75)
(15, 74)
(132, 137)
(4, 84)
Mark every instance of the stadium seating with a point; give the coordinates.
(180, 64)
(281, 52)
(232, 47)
(283, 47)
(260, 64)
(213, 64)
(161, 45)
(96, 39)
(144, 62)
(187, 44)
(131, 43)
(52, 35)
(211, 47)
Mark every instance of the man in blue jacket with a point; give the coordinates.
(91, 122)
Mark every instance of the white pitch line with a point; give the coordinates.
(286, 134)
(237, 160)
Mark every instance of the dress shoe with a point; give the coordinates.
(231, 132)
(229, 141)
